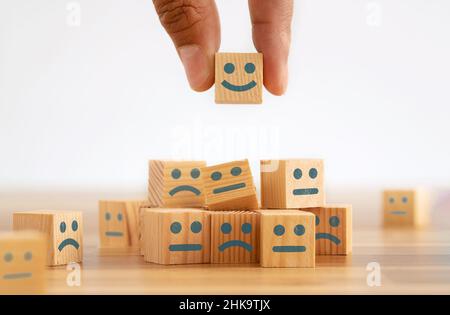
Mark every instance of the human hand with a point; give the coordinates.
(194, 28)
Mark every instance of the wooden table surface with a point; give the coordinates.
(410, 261)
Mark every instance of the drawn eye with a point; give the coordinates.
(195, 173)
(391, 200)
(226, 228)
(176, 173)
(317, 220)
(278, 230)
(297, 173)
(74, 225)
(120, 216)
(216, 176)
(8, 257)
(313, 173)
(246, 228)
(107, 216)
(250, 67)
(405, 199)
(175, 227)
(236, 171)
(62, 227)
(196, 227)
(299, 230)
(28, 256)
(228, 68)
(334, 221)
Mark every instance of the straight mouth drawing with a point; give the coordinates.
(184, 188)
(228, 188)
(19, 275)
(238, 88)
(239, 243)
(398, 212)
(67, 242)
(289, 249)
(329, 237)
(185, 247)
(114, 233)
(305, 191)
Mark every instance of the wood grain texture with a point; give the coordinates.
(119, 224)
(230, 191)
(234, 237)
(290, 185)
(63, 231)
(286, 246)
(333, 229)
(176, 236)
(406, 208)
(22, 262)
(225, 92)
(175, 184)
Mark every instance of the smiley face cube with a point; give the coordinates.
(292, 184)
(175, 184)
(63, 231)
(22, 262)
(234, 237)
(229, 186)
(119, 224)
(407, 208)
(287, 238)
(176, 236)
(333, 229)
(239, 78)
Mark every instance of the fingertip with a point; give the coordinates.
(276, 77)
(199, 67)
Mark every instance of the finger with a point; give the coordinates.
(271, 22)
(194, 28)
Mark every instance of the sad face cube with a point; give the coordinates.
(229, 186)
(292, 184)
(287, 238)
(239, 78)
(234, 237)
(175, 184)
(22, 262)
(63, 231)
(333, 229)
(406, 208)
(176, 236)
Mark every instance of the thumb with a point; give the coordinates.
(194, 28)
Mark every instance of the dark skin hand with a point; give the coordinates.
(194, 27)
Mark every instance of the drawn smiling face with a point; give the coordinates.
(238, 78)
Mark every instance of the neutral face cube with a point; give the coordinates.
(230, 186)
(333, 229)
(63, 229)
(292, 184)
(234, 237)
(408, 208)
(239, 78)
(287, 238)
(22, 262)
(175, 184)
(119, 224)
(176, 236)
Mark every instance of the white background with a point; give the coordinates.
(83, 107)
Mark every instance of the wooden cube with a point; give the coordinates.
(333, 229)
(239, 78)
(176, 236)
(287, 238)
(22, 262)
(175, 184)
(229, 186)
(406, 208)
(292, 184)
(63, 229)
(119, 224)
(234, 237)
